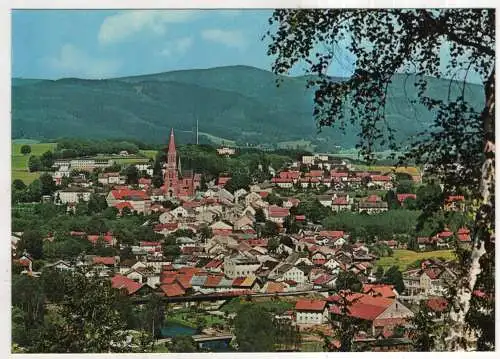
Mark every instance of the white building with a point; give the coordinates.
(240, 265)
(72, 195)
(311, 312)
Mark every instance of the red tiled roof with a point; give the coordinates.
(332, 234)
(172, 290)
(289, 174)
(121, 282)
(438, 304)
(95, 238)
(212, 281)
(365, 307)
(214, 263)
(340, 201)
(322, 279)
(338, 174)
(128, 194)
(184, 280)
(300, 217)
(380, 178)
(373, 198)
(263, 194)
(275, 211)
(281, 180)
(223, 180)
(445, 234)
(384, 290)
(238, 281)
(403, 196)
(104, 260)
(310, 305)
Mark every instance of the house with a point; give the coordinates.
(127, 285)
(340, 204)
(287, 271)
(325, 200)
(72, 195)
(221, 228)
(277, 214)
(145, 182)
(60, 265)
(240, 265)
(112, 178)
(372, 204)
(383, 315)
(384, 182)
(139, 200)
(179, 212)
(311, 312)
(383, 290)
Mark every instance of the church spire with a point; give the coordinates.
(171, 142)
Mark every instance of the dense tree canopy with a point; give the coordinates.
(458, 148)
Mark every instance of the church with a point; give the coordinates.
(177, 183)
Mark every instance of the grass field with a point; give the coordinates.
(217, 140)
(413, 171)
(403, 257)
(19, 162)
(149, 153)
(306, 145)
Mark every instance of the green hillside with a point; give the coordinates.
(236, 103)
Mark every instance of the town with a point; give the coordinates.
(314, 242)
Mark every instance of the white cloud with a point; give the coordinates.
(119, 27)
(231, 38)
(177, 47)
(71, 61)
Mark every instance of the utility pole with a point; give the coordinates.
(197, 132)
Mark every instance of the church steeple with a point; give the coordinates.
(171, 142)
(171, 175)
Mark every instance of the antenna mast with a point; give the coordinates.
(197, 131)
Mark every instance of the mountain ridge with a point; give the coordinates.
(240, 103)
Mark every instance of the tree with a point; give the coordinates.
(423, 329)
(394, 276)
(183, 344)
(270, 229)
(379, 273)
(18, 185)
(238, 180)
(254, 329)
(132, 174)
(273, 244)
(392, 200)
(260, 216)
(25, 149)
(348, 281)
(47, 159)
(31, 242)
(87, 319)
(34, 164)
(48, 186)
(153, 315)
(459, 148)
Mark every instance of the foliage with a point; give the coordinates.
(348, 281)
(423, 330)
(394, 276)
(254, 329)
(32, 243)
(270, 228)
(260, 216)
(183, 344)
(34, 164)
(25, 149)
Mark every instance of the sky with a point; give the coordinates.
(107, 43)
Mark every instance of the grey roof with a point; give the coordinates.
(198, 281)
(225, 283)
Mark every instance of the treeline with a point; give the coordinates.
(72, 147)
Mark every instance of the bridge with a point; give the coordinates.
(200, 339)
(214, 297)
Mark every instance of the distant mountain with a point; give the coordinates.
(238, 103)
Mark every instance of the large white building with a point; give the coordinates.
(240, 266)
(72, 195)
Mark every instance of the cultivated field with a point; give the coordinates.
(403, 257)
(19, 162)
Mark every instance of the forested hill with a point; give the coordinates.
(236, 103)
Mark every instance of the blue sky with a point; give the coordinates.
(104, 43)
